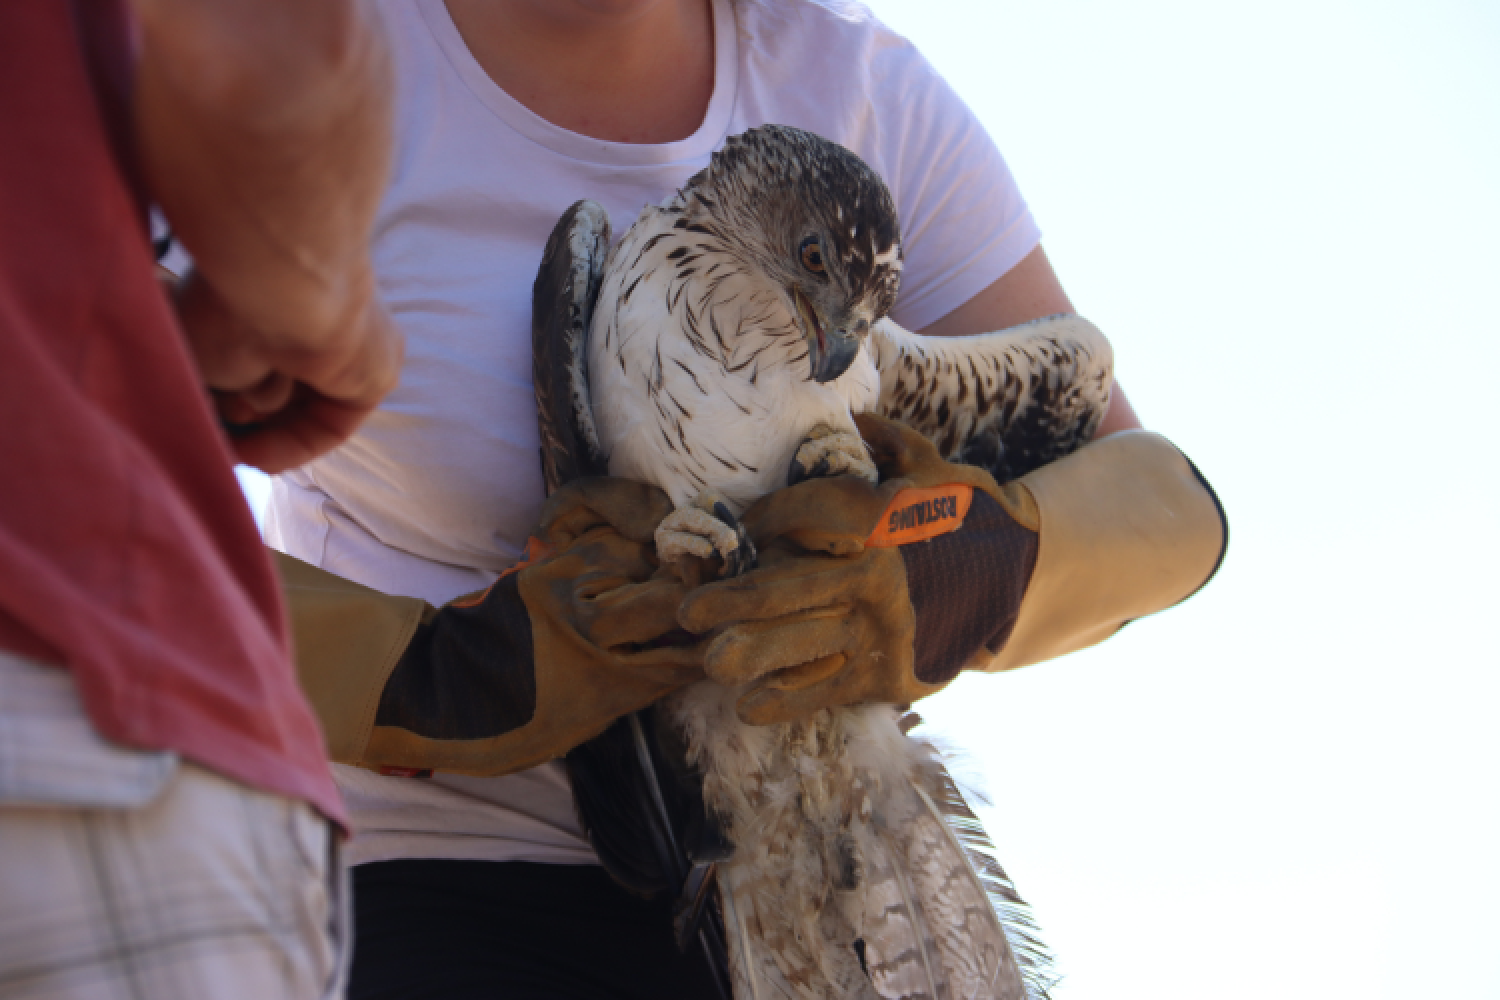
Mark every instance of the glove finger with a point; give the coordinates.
(634, 614)
(789, 588)
(804, 676)
(670, 666)
(898, 451)
(603, 554)
(631, 508)
(901, 453)
(768, 704)
(746, 652)
(632, 681)
(823, 515)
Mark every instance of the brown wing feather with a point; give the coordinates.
(1009, 401)
(562, 305)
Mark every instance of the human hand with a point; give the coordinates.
(286, 404)
(263, 130)
(1130, 528)
(855, 600)
(548, 656)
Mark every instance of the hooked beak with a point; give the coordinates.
(829, 352)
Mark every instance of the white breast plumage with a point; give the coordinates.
(693, 369)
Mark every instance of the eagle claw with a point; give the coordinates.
(827, 452)
(703, 529)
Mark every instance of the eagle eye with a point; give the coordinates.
(812, 255)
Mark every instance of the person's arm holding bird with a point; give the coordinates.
(842, 611)
(1027, 290)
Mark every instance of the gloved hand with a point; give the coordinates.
(884, 593)
(547, 657)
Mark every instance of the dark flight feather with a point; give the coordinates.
(638, 802)
(562, 306)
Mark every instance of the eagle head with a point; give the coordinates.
(816, 222)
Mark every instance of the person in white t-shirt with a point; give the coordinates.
(508, 112)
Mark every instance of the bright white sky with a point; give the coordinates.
(1286, 215)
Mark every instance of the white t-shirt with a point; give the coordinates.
(437, 491)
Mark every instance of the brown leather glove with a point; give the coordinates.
(547, 657)
(884, 593)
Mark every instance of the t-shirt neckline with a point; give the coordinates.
(512, 112)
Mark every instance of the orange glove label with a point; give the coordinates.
(920, 513)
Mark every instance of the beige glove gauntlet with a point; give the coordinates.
(884, 593)
(546, 658)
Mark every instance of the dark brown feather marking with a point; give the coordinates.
(690, 375)
(647, 248)
(626, 297)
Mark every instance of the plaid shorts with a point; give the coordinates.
(130, 874)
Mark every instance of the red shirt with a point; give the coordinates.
(127, 553)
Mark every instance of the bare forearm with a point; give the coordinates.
(1028, 291)
(264, 130)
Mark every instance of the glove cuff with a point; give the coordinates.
(348, 639)
(965, 588)
(1128, 527)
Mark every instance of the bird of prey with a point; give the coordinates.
(722, 347)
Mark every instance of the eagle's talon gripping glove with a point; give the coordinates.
(547, 657)
(884, 593)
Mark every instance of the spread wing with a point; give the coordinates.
(562, 303)
(1009, 401)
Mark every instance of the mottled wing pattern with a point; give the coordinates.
(899, 953)
(973, 946)
(562, 304)
(846, 880)
(929, 928)
(1009, 401)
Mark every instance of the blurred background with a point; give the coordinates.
(1286, 216)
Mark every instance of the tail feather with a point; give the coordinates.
(896, 949)
(1032, 957)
